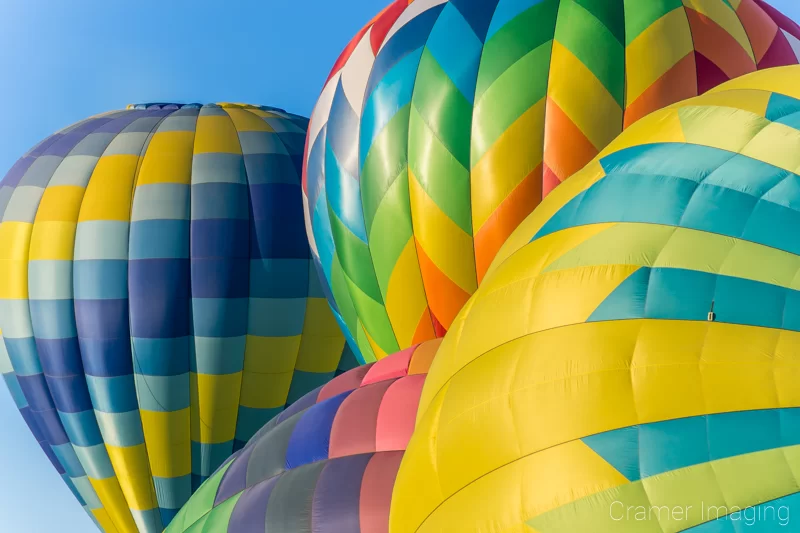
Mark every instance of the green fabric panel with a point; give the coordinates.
(611, 13)
(740, 481)
(391, 230)
(199, 504)
(355, 258)
(593, 43)
(218, 518)
(364, 345)
(445, 110)
(445, 180)
(527, 31)
(641, 15)
(342, 295)
(387, 158)
(199, 526)
(374, 319)
(503, 103)
(290, 504)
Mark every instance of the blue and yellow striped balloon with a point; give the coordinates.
(158, 304)
(631, 361)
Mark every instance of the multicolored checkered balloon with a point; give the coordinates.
(444, 123)
(158, 304)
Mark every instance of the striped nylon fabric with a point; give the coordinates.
(157, 299)
(328, 466)
(634, 344)
(445, 122)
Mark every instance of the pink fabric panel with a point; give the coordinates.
(348, 381)
(392, 366)
(398, 413)
(376, 491)
(354, 427)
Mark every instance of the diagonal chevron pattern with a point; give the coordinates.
(445, 122)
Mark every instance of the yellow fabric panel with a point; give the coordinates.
(133, 472)
(60, 202)
(117, 512)
(405, 297)
(269, 355)
(104, 521)
(14, 244)
(776, 144)
(721, 127)
(753, 100)
(571, 86)
(215, 406)
(505, 165)
(115, 506)
(662, 126)
(321, 342)
(655, 51)
(656, 246)
(108, 195)
(265, 391)
(446, 244)
(166, 435)
(168, 158)
(724, 17)
(543, 478)
(245, 120)
(216, 134)
(784, 80)
(53, 241)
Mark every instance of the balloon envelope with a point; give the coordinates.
(157, 300)
(634, 345)
(444, 123)
(329, 467)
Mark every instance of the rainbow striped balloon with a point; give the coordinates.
(444, 123)
(157, 300)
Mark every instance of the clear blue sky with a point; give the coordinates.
(61, 61)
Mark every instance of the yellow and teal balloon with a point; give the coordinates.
(158, 303)
(630, 362)
(445, 122)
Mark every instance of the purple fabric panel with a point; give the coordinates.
(45, 144)
(250, 511)
(336, 500)
(235, 478)
(120, 123)
(16, 172)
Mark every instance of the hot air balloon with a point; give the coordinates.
(444, 123)
(329, 467)
(158, 304)
(630, 361)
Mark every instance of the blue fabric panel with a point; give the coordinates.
(23, 355)
(627, 300)
(60, 357)
(162, 357)
(220, 238)
(279, 278)
(220, 317)
(311, 436)
(100, 279)
(159, 239)
(159, 299)
(95, 461)
(107, 357)
(220, 277)
(81, 427)
(69, 393)
(271, 202)
(113, 394)
(620, 448)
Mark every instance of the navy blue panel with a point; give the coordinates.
(159, 298)
(271, 167)
(311, 436)
(409, 38)
(36, 392)
(17, 171)
(51, 426)
(107, 357)
(676, 293)
(478, 13)
(270, 240)
(70, 393)
(102, 319)
(220, 277)
(60, 357)
(220, 238)
(33, 424)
